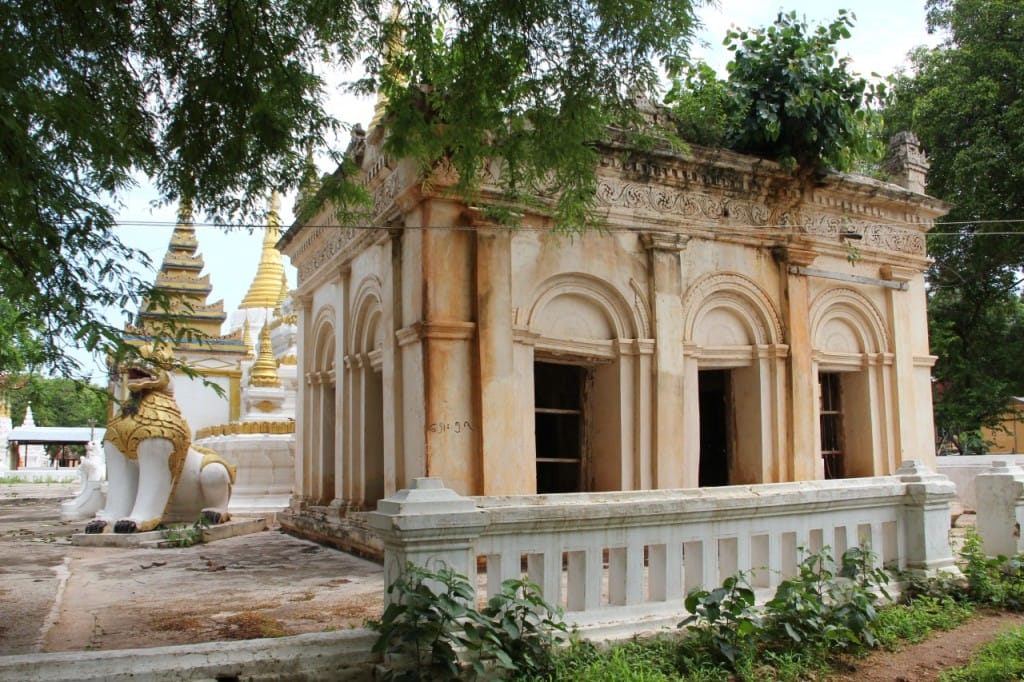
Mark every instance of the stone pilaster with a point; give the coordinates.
(665, 267)
(903, 423)
(802, 461)
(504, 464)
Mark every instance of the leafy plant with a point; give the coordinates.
(432, 623)
(725, 619)
(992, 581)
(186, 536)
(829, 607)
(516, 629)
(799, 611)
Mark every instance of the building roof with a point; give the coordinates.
(31, 435)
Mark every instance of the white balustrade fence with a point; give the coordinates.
(617, 557)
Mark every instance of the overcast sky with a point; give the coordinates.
(884, 33)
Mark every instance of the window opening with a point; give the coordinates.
(831, 424)
(559, 426)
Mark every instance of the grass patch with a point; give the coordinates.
(46, 480)
(250, 625)
(915, 621)
(179, 622)
(1001, 659)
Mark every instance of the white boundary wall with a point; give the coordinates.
(963, 470)
(610, 559)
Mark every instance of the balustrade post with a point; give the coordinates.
(926, 515)
(430, 526)
(1000, 507)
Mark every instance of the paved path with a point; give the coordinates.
(57, 597)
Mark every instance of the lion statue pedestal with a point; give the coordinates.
(154, 475)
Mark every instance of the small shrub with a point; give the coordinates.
(828, 607)
(431, 623)
(724, 620)
(185, 536)
(996, 581)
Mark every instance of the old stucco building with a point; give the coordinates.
(733, 325)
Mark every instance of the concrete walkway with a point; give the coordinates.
(56, 597)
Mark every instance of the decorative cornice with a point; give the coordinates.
(664, 241)
(449, 330)
(247, 428)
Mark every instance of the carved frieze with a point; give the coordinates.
(385, 194)
(330, 244)
(666, 201)
(873, 235)
(722, 211)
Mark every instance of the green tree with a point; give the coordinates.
(788, 97)
(57, 402)
(964, 101)
(217, 101)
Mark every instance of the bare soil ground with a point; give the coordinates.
(925, 661)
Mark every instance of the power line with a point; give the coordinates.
(731, 228)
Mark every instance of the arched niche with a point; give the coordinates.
(367, 333)
(852, 348)
(843, 321)
(729, 309)
(321, 408)
(323, 341)
(364, 413)
(733, 380)
(580, 306)
(583, 362)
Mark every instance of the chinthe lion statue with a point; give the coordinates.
(154, 474)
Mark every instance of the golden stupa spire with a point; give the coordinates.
(265, 290)
(5, 408)
(264, 370)
(185, 290)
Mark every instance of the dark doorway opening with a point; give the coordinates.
(559, 426)
(713, 386)
(373, 440)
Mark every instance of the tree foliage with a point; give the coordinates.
(964, 101)
(789, 96)
(218, 101)
(56, 402)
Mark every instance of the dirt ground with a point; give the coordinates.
(58, 597)
(924, 662)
